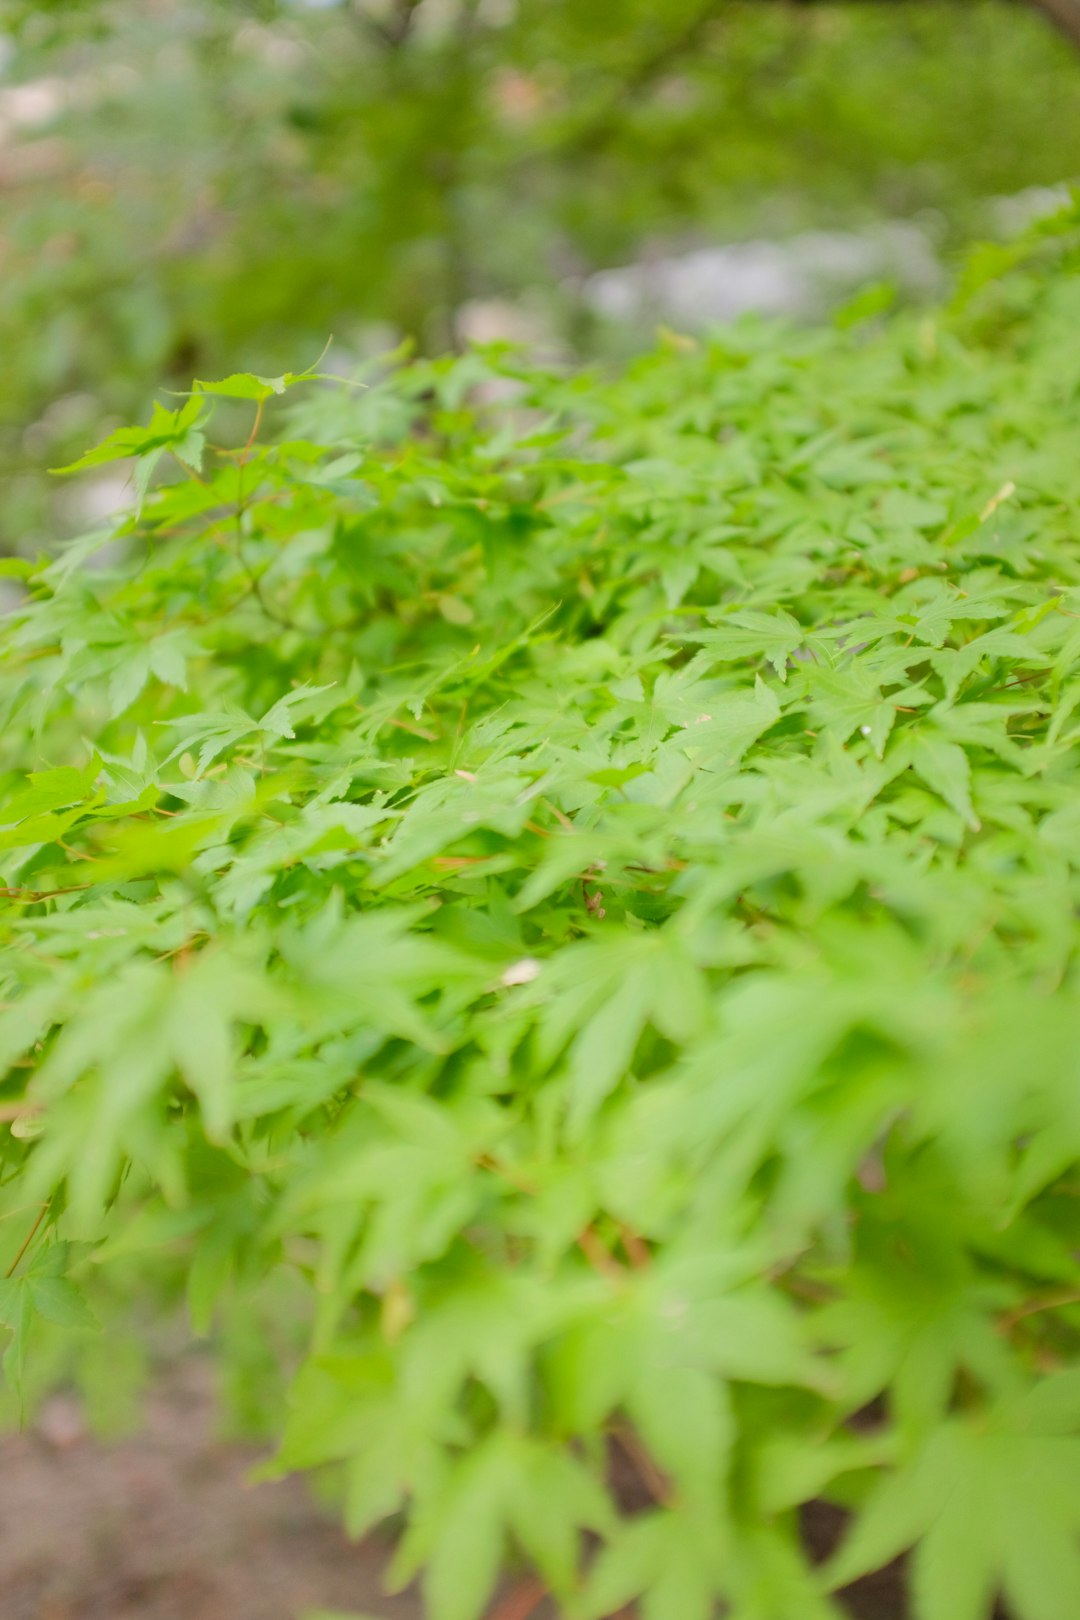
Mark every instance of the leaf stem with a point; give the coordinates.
(598, 1256)
(30, 1236)
(253, 435)
(1048, 1302)
(520, 1601)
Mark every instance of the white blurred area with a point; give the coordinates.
(800, 277)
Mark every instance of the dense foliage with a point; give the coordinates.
(579, 875)
(200, 184)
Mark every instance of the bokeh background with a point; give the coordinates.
(193, 186)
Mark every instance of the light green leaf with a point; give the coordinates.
(944, 767)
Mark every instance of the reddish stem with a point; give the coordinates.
(11, 1270)
(521, 1601)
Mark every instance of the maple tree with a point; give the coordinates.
(544, 904)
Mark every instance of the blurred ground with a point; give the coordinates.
(165, 1527)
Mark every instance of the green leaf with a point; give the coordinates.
(60, 1301)
(993, 1504)
(944, 767)
(179, 431)
(49, 790)
(664, 1559)
(467, 1543)
(245, 385)
(16, 1314)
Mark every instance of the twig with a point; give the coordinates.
(77, 854)
(1065, 15)
(597, 1256)
(596, 134)
(395, 32)
(522, 1184)
(1048, 1302)
(520, 1601)
(42, 1212)
(563, 820)
(655, 1482)
(32, 897)
(637, 1250)
(415, 731)
(253, 435)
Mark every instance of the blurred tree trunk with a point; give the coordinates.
(1065, 14)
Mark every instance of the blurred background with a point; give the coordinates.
(194, 186)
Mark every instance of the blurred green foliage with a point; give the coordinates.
(201, 184)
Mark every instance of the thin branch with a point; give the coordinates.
(394, 31)
(1049, 1302)
(30, 1236)
(653, 1478)
(637, 1250)
(1065, 16)
(253, 435)
(520, 1602)
(648, 72)
(599, 1258)
(33, 897)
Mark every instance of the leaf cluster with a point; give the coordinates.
(580, 873)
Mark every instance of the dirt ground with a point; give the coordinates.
(164, 1526)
